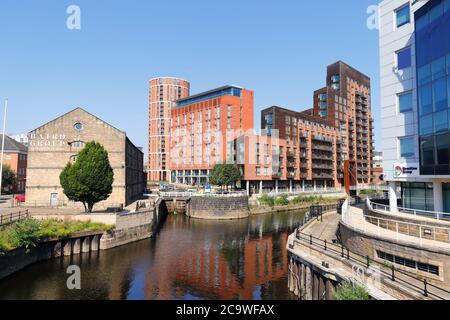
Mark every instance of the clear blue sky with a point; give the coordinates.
(279, 49)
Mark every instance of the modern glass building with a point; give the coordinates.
(415, 90)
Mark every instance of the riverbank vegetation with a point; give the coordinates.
(351, 291)
(27, 233)
(284, 200)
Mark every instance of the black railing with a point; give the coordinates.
(392, 273)
(12, 217)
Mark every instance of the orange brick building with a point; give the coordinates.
(162, 96)
(204, 129)
(15, 156)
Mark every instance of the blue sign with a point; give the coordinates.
(208, 189)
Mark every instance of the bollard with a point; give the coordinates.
(342, 253)
(368, 261)
(310, 239)
(348, 254)
(425, 290)
(392, 273)
(325, 242)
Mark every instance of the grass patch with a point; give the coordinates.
(28, 232)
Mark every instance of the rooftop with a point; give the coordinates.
(12, 145)
(210, 94)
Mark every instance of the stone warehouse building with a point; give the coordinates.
(59, 141)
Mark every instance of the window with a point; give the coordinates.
(78, 126)
(78, 144)
(406, 147)
(402, 15)
(405, 102)
(404, 59)
(408, 263)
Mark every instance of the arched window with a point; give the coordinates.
(78, 144)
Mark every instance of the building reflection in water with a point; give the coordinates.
(188, 259)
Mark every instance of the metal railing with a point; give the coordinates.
(416, 212)
(12, 217)
(418, 284)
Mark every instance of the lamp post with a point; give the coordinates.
(3, 146)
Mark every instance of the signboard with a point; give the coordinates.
(406, 170)
(208, 189)
(47, 141)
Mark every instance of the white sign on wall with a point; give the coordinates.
(406, 170)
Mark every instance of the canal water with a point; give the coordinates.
(188, 259)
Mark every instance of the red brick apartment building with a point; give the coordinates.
(162, 96)
(16, 157)
(311, 149)
(345, 103)
(204, 129)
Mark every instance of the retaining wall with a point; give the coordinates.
(218, 208)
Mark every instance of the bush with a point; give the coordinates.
(282, 200)
(348, 291)
(267, 200)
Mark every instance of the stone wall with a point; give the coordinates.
(218, 208)
(20, 258)
(364, 245)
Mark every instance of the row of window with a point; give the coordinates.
(425, 267)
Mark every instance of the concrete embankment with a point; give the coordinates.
(20, 258)
(218, 207)
(129, 227)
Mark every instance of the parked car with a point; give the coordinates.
(20, 198)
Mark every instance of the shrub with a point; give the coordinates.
(350, 291)
(267, 200)
(282, 200)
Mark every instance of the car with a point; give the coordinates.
(20, 198)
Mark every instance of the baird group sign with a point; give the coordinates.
(47, 140)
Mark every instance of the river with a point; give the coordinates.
(187, 259)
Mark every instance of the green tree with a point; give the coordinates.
(89, 180)
(224, 175)
(9, 178)
(350, 291)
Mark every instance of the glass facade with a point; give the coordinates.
(417, 195)
(230, 91)
(432, 24)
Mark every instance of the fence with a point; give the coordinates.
(416, 212)
(12, 217)
(417, 284)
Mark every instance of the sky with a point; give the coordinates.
(279, 49)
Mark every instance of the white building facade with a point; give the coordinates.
(415, 100)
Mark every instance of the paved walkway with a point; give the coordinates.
(325, 230)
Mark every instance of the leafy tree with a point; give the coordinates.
(350, 291)
(89, 180)
(224, 175)
(9, 178)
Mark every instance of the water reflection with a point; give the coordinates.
(189, 259)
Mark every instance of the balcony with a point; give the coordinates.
(291, 164)
(277, 175)
(322, 176)
(322, 147)
(291, 174)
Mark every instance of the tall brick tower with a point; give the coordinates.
(163, 94)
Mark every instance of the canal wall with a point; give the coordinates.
(218, 207)
(366, 244)
(18, 259)
(129, 227)
(135, 226)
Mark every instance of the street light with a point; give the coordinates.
(3, 146)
